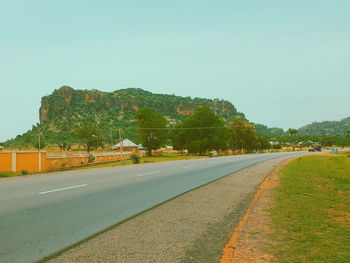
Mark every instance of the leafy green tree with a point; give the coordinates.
(293, 133)
(242, 135)
(262, 143)
(151, 128)
(201, 132)
(88, 135)
(177, 137)
(63, 140)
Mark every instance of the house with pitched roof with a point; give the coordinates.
(127, 146)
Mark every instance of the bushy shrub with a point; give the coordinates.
(135, 158)
(213, 154)
(24, 172)
(91, 158)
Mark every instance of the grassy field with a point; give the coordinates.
(311, 212)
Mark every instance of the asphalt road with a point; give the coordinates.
(43, 214)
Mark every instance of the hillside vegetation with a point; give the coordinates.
(331, 128)
(67, 109)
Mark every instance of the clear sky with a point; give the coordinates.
(282, 63)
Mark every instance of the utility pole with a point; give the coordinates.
(111, 137)
(39, 143)
(95, 136)
(120, 142)
(39, 154)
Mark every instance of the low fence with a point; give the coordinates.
(50, 161)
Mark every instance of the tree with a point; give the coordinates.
(262, 143)
(151, 127)
(88, 135)
(293, 133)
(63, 140)
(242, 135)
(177, 138)
(201, 132)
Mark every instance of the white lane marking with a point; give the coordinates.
(189, 166)
(61, 189)
(147, 173)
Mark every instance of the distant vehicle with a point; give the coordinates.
(315, 148)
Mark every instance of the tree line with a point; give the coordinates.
(199, 133)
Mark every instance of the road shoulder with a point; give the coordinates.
(193, 227)
(249, 237)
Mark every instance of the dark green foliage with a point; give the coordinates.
(264, 131)
(63, 140)
(201, 132)
(262, 143)
(327, 128)
(88, 135)
(293, 139)
(242, 136)
(24, 172)
(292, 132)
(135, 158)
(151, 129)
(91, 158)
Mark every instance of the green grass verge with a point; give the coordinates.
(311, 210)
(152, 159)
(3, 174)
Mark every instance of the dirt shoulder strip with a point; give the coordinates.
(249, 237)
(193, 227)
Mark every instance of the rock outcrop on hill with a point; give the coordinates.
(67, 109)
(109, 108)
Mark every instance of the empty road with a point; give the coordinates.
(43, 214)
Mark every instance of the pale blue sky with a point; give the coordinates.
(282, 63)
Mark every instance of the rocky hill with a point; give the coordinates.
(110, 108)
(332, 128)
(66, 109)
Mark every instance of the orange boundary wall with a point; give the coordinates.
(50, 161)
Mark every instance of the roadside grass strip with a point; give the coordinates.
(3, 174)
(152, 159)
(311, 211)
